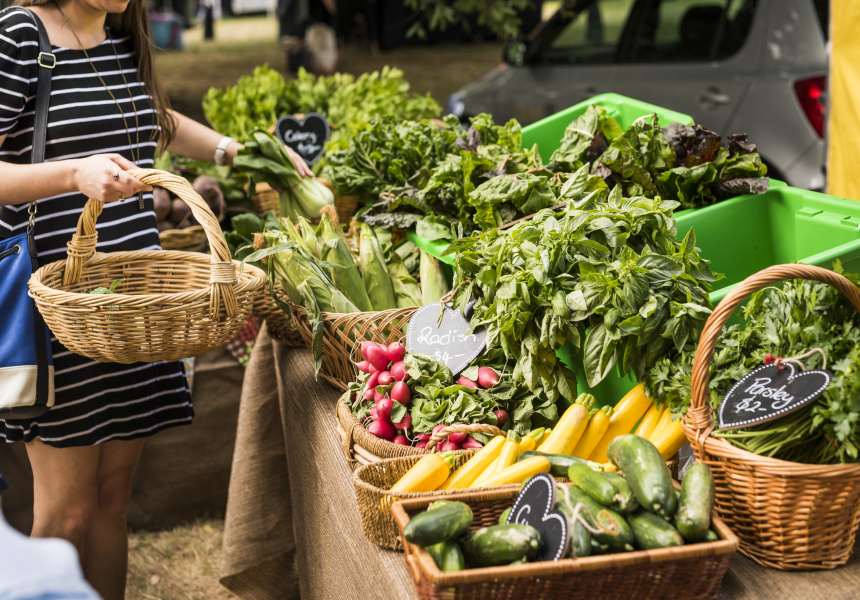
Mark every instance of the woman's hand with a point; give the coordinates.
(299, 162)
(103, 177)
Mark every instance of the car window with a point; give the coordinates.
(690, 30)
(592, 36)
(822, 10)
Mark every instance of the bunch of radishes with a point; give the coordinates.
(487, 380)
(386, 368)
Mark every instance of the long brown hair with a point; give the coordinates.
(134, 22)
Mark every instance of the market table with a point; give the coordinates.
(293, 528)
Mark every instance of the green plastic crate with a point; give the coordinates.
(547, 133)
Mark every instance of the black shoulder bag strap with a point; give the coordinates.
(46, 61)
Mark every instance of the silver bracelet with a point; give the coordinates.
(221, 150)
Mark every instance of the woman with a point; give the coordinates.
(107, 115)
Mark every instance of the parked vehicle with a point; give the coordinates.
(752, 66)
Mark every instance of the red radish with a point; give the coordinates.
(372, 368)
(467, 382)
(501, 417)
(382, 429)
(488, 378)
(385, 378)
(423, 437)
(365, 345)
(400, 392)
(398, 371)
(377, 396)
(471, 443)
(396, 351)
(457, 438)
(421, 445)
(372, 381)
(383, 408)
(364, 366)
(405, 423)
(400, 440)
(448, 446)
(377, 357)
(437, 428)
(369, 394)
(374, 414)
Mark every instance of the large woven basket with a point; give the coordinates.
(343, 330)
(190, 239)
(691, 572)
(787, 515)
(362, 447)
(372, 482)
(170, 305)
(280, 326)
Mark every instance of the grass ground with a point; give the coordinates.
(183, 563)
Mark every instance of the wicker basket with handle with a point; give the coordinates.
(170, 305)
(280, 327)
(190, 239)
(787, 515)
(362, 447)
(694, 571)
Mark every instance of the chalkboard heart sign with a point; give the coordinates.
(448, 342)
(770, 392)
(534, 507)
(306, 136)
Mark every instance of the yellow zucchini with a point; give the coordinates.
(466, 475)
(670, 439)
(519, 472)
(649, 422)
(665, 414)
(597, 426)
(427, 474)
(624, 417)
(530, 441)
(543, 439)
(508, 456)
(570, 427)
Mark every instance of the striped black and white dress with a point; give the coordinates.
(95, 402)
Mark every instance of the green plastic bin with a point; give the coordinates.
(547, 133)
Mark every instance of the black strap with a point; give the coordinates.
(46, 61)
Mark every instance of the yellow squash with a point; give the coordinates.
(466, 475)
(508, 456)
(664, 418)
(669, 439)
(570, 427)
(624, 417)
(427, 474)
(531, 440)
(519, 472)
(597, 426)
(649, 422)
(543, 439)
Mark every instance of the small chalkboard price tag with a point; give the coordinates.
(448, 341)
(306, 136)
(770, 392)
(534, 507)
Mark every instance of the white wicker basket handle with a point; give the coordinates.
(222, 275)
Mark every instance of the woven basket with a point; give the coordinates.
(343, 330)
(690, 572)
(788, 515)
(362, 447)
(190, 239)
(265, 199)
(280, 326)
(345, 206)
(372, 482)
(171, 305)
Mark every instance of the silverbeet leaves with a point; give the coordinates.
(606, 275)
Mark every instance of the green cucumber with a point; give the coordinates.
(593, 483)
(441, 524)
(520, 561)
(559, 464)
(440, 504)
(623, 542)
(503, 518)
(627, 502)
(696, 503)
(448, 556)
(598, 548)
(652, 531)
(501, 544)
(668, 511)
(711, 536)
(580, 537)
(645, 470)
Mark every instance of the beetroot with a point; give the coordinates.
(398, 371)
(467, 382)
(363, 366)
(162, 203)
(395, 351)
(400, 440)
(448, 446)
(376, 356)
(400, 392)
(385, 378)
(501, 417)
(211, 192)
(421, 445)
(383, 408)
(488, 378)
(457, 438)
(423, 437)
(382, 429)
(405, 423)
(180, 214)
(471, 443)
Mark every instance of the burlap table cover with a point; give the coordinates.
(287, 433)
